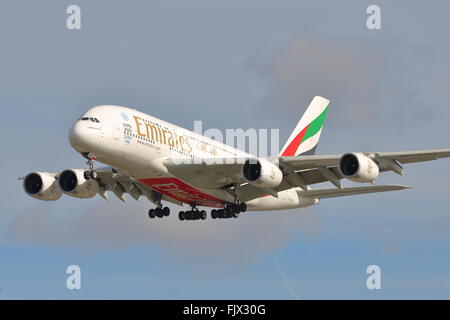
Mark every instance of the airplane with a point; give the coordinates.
(149, 157)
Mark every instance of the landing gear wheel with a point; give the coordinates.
(166, 211)
(94, 175)
(214, 213)
(243, 207)
(181, 215)
(235, 215)
(203, 215)
(159, 212)
(87, 175)
(151, 213)
(228, 212)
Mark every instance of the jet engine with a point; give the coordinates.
(42, 186)
(73, 183)
(358, 167)
(262, 173)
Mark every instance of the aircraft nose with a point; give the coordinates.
(76, 135)
(81, 137)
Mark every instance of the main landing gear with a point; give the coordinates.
(230, 211)
(159, 212)
(90, 173)
(193, 214)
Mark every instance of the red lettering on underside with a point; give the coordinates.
(178, 190)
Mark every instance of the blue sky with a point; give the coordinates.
(232, 64)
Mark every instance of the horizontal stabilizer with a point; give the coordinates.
(331, 193)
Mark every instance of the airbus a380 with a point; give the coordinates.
(149, 157)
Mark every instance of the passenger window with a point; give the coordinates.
(96, 120)
(85, 118)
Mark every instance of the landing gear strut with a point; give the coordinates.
(193, 214)
(90, 173)
(230, 211)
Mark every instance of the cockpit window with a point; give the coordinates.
(89, 119)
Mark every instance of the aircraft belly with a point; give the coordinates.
(287, 199)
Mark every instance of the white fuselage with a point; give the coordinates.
(138, 144)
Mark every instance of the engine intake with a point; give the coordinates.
(73, 183)
(262, 173)
(358, 167)
(42, 186)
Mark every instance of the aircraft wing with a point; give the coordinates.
(210, 173)
(383, 159)
(331, 193)
(316, 169)
(299, 171)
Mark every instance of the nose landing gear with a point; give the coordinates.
(90, 173)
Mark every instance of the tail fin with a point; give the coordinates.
(305, 137)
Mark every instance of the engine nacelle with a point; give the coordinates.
(262, 173)
(358, 167)
(42, 186)
(73, 183)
